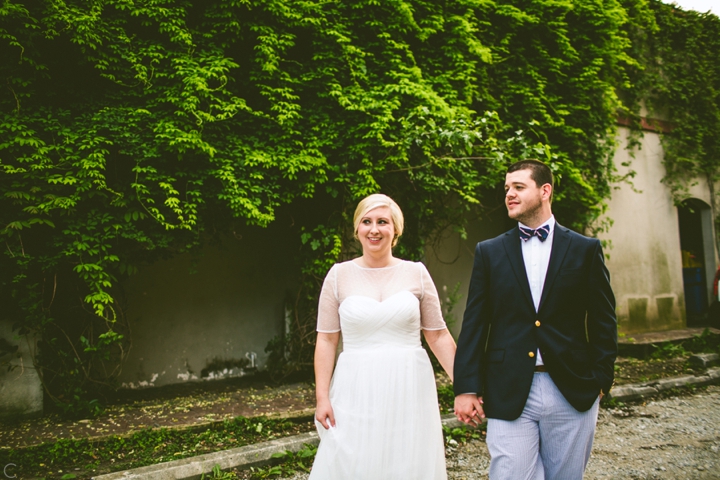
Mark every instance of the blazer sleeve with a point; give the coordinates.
(601, 321)
(470, 355)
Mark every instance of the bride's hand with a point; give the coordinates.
(324, 414)
(469, 410)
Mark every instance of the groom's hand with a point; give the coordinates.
(469, 410)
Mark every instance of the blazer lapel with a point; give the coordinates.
(561, 243)
(511, 242)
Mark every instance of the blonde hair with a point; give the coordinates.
(377, 200)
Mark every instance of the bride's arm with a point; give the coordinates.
(442, 345)
(325, 349)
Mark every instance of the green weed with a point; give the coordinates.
(291, 463)
(218, 474)
(611, 402)
(668, 350)
(453, 436)
(702, 343)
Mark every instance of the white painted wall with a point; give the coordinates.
(645, 260)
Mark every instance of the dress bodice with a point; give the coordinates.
(382, 304)
(395, 321)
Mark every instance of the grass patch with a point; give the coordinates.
(81, 458)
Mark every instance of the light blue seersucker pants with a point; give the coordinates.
(549, 441)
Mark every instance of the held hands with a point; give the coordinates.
(469, 410)
(324, 414)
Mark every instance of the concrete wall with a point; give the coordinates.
(21, 393)
(183, 323)
(645, 260)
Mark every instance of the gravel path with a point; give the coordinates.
(671, 438)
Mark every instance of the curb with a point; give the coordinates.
(261, 453)
(648, 389)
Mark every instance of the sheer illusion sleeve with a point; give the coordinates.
(328, 320)
(430, 312)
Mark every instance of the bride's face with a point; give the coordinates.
(376, 231)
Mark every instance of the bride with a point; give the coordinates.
(377, 413)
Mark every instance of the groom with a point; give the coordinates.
(538, 340)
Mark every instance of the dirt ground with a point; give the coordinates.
(200, 403)
(631, 370)
(175, 406)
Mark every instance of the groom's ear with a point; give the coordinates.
(547, 191)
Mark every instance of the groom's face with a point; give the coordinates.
(523, 197)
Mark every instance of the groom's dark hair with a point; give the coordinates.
(540, 173)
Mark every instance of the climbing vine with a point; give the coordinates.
(134, 130)
(680, 81)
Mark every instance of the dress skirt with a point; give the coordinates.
(387, 418)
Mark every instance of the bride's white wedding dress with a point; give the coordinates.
(383, 388)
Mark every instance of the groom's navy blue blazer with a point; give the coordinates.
(575, 326)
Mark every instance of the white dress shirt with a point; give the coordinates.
(536, 255)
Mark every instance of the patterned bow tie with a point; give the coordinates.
(542, 233)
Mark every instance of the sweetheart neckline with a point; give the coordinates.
(379, 301)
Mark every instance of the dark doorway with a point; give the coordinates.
(698, 258)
